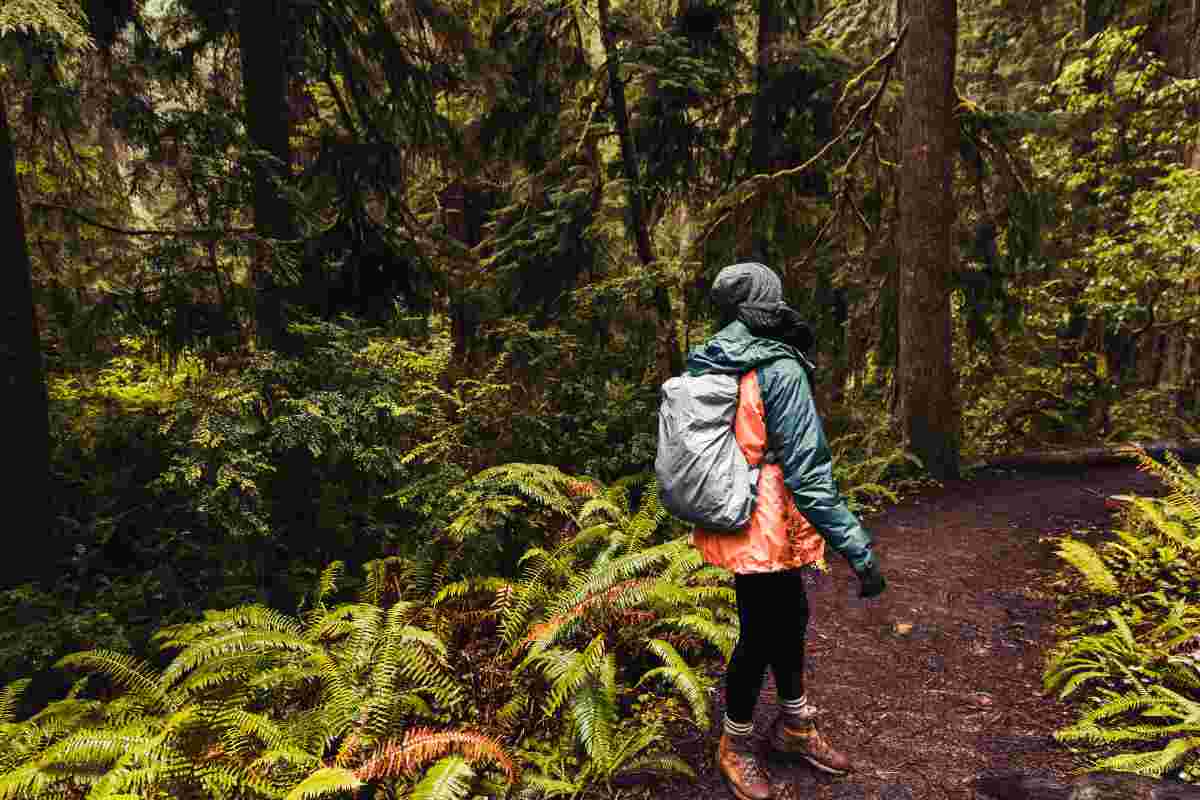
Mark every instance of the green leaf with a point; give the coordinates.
(448, 779)
(325, 782)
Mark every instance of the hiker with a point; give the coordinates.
(797, 510)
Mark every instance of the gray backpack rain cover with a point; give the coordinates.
(703, 476)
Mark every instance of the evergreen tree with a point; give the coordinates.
(928, 134)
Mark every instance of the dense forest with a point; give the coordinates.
(333, 331)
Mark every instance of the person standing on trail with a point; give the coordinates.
(798, 510)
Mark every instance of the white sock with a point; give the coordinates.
(738, 728)
(798, 709)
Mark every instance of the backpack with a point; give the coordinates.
(703, 476)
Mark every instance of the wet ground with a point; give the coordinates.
(923, 710)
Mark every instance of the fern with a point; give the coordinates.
(542, 786)
(9, 697)
(1096, 574)
(325, 782)
(448, 779)
(124, 671)
(421, 746)
(1154, 764)
(1184, 486)
(1174, 531)
(259, 704)
(677, 671)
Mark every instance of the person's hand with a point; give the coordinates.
(871, 582)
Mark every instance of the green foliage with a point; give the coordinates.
(1081, 556)
(255, 702)
(62, 20)
(1135, 651)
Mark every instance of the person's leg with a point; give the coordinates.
(787, 653)
(748, 665)
(794, 732)
(744, 675)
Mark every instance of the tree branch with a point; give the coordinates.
(195, 233)
(750, 187)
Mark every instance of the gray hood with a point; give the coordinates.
(753, 294)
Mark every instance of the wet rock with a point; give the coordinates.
(1095, 786)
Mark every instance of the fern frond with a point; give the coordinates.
(10, 696)
(325, 782)
(124, 671)
(633, 565)
(1154, 764)
(1171, 471)
(1169, 529)
(235, 642)
(679, 674)
(1183, 672)
(658, 763)
(328, 582)
(536, 785)
(549, 486)
(26, 782)
(649, 517)
(255, 617)
(300, 759)
(460, 590)
(569, 670)
(421, 746)
(448, 779)
(602, 510)
(514, 711)
(722, 636)
(593, 716)
(1096, 574)
(565, 621)
(379, 575)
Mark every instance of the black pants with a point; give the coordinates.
(773, 612)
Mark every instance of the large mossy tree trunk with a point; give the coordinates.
(668, 359)
(925, 376)
(25, 487)
(263, 26)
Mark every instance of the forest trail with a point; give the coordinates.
(923, 711)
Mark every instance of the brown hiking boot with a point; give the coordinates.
(741, 770)
(803, 740)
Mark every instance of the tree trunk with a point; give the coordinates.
(927, 136)
(263, 38)
(668, 360)
(1173, 37)
(25, 488)
(760, 144)
(1187, 449)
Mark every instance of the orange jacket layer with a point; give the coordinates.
(778, 537)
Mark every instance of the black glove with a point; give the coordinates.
(871, 583)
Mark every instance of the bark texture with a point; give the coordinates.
(25, 487)
(262, 32)
(1187, 449)
(760, 145)
(925, 378)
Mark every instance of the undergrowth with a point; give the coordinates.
(1131, 655)
(425, 684)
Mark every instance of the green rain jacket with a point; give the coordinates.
(794, 433)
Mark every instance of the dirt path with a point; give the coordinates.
(924, 712)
